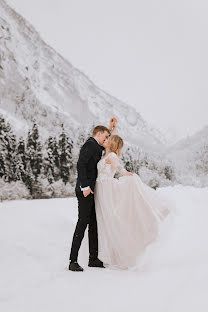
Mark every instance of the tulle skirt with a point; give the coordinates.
(128, 216)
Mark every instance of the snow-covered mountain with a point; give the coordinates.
(190, 158)
(36, 82)
(189, 146)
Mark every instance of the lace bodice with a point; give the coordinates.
(108, 170)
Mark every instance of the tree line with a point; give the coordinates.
(28, 160)
(43, 167)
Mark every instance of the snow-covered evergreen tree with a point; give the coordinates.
(2, 167)
(21, 160)
(52, 160)
(29, 177)
(50, 175)
(8, 151)
(34, 150)
(202, 160)
(66, 161)
(152, 168)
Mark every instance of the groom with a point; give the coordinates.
(90, 154)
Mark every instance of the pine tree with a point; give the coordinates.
(202, 160)
(34, 150)
(21, 160)
(20, 170)
(8, 151)
(2, 167)
(50, 176)
(51, 161)
(33, 184)
(128, 160)
(168, 172)
(65, 149)
(21, 151)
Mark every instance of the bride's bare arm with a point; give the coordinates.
(113, 126)
(114, 129)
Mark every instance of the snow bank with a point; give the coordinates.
(35, 244)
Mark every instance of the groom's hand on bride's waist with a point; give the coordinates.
(87, 192)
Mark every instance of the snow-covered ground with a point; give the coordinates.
(35, 239)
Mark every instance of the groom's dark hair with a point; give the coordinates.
(100, 129)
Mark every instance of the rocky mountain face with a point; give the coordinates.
(37, 82)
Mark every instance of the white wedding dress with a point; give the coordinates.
(128, 214)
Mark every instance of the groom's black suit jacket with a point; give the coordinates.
(90, 154)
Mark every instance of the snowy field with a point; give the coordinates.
(35, 244)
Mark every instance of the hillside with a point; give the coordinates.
(37, 82)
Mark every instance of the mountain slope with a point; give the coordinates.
(35, 81)
(187, 148)
(190, 158)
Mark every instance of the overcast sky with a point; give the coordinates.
(152, 54)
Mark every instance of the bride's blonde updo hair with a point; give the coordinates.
(115, 144)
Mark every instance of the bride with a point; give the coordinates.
(128, 211)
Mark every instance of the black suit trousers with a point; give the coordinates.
(86, 216)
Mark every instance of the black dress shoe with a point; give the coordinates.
(74, 266)
(96, 263)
